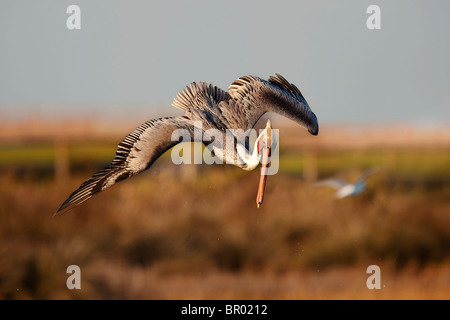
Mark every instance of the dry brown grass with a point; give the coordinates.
(171, 234)
(154, 237)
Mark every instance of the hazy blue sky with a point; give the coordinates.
(134, 56)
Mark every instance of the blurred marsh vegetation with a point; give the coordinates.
(194, 232)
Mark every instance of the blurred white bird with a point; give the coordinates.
(344, 188)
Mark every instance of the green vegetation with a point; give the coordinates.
(153, 235)
(426, 163)
(44, 153)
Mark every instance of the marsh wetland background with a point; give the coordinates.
(194, 232)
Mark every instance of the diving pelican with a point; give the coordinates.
(247, 99)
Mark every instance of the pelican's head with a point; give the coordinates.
(268, 142)
(262, 150)
(267, 139)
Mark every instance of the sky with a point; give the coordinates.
(131, 58)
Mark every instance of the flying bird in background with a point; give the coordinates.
(347, 189)
(247, 99)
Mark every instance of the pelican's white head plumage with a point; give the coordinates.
(266, 140)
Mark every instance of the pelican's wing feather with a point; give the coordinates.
(280, 81)
(135, 153)
(257, 96)
(302, 113)
(245, 92)
(200, 95)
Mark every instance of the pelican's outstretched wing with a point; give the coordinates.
(333, 183)
(135, 153)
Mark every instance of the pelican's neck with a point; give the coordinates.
(251, 160)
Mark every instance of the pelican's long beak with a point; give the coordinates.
(264, 165)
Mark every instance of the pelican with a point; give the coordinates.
(347, 189)
(247, 99)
